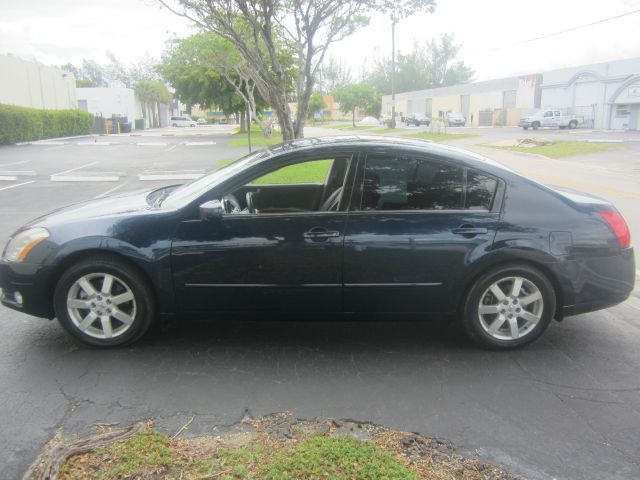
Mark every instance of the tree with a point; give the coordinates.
(205, 69)
(152, 93)
(258, 29)
(333, 74)
(353, 96)
(428, 65)
(316, 103)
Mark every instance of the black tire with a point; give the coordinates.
(143, 299)
(535, 125)
(573, 124)
(471, 317)
(525, 128)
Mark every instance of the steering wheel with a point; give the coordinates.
(249, 198)
(230, 204)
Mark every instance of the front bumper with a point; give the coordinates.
(32, 282)
(524, 123)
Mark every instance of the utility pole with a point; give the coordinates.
(393, 73)
(249, 126)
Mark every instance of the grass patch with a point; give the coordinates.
(258, 140)
(348, 126)
(388, 130)
(308, 172)
(439, 137)
(276, 447)
(337, 458)
(562, 149)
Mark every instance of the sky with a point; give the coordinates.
(55, 32)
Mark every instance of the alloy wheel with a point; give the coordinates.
(510, 308)
(101, 305)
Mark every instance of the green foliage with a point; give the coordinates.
(84, 83)
(256, 141)
(152, 91)
(21, 124)
(355, 95)
(337, 458)
(428, 65)
(316, 103)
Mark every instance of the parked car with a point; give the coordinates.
(201, 121)
(391, 226)
(417, 119)
(182, 122)
(553, 117)
(456, 119)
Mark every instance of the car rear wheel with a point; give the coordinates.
(535, 125)
(509, 307)
(573, 124)
(103, 302)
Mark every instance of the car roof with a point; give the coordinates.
(371, 142)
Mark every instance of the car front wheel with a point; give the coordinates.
(509, 307)
(104, 302)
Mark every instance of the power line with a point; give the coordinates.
(556, 33)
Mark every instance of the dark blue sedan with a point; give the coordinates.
(392, 227)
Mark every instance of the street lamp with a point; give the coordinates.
(393, 72)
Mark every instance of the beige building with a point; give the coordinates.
(489, 103)
(30, 84)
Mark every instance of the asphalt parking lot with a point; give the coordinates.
(566, 407)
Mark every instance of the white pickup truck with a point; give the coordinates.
(549, 118)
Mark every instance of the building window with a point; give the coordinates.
(82, 105)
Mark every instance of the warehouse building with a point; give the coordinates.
(605, 95)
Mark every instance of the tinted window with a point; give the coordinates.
(411, 184)
(480, 191)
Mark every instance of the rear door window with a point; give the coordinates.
(406, 183)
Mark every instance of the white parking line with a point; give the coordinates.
(19, 173)
(17, 185)
(152, 144)
(11, 164)
(172, 147)
(84, 178)
(198, 144)
(8, 178)
(74, 169)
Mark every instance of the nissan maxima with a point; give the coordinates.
(348, 226)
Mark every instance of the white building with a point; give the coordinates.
(30, 84)
(610, 92)
(110, 102)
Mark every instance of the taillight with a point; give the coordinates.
(619, 227)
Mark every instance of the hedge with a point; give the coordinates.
(21, 124)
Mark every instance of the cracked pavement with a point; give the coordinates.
(566, 407)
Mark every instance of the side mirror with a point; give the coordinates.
(211, 210)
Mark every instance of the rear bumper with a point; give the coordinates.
(599, 282)
(32, 282)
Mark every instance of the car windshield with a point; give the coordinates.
(190, 191)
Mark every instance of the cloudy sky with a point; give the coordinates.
(60, 31)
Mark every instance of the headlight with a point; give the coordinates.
(20, 245)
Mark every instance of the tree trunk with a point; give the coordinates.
(353, 117)
(243, 126)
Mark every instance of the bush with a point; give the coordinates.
(21, 124)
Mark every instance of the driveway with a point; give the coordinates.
(567, 406)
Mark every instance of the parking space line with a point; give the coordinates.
(172, 147)
(74, 169)
(11, 164)
(84, 178)
(198, 144)
(152, 144)
(8, 178)
(17, 185)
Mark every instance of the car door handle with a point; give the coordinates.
(319, 233)
(469, 230)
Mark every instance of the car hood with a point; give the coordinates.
(121, 205)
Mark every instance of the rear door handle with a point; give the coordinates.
(319, 233)
(469, 230)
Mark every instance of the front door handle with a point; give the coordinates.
(319, 234)
(469, 230)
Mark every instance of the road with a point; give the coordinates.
(566, 407)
